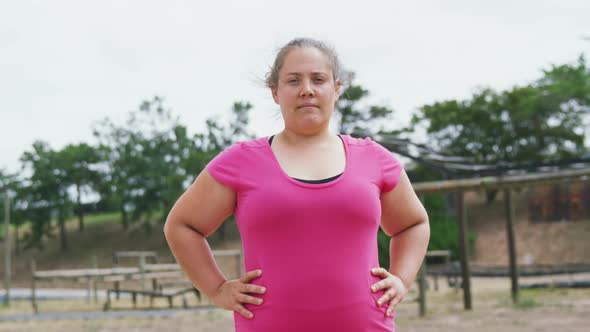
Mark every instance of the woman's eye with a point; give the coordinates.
(319, 80)
(292, 81)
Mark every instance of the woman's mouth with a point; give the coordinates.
(308, 106)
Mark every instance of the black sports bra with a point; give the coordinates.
(310, 181)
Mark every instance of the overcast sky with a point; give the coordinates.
(66, 64)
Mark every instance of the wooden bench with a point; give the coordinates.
(174, 283)
(170, 295)
(438, 259)
(154, 276)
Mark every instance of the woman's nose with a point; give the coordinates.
(307, 89)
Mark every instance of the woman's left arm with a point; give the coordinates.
(404, 218)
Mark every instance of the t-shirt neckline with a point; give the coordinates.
(312, 185)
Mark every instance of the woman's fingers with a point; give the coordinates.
(383, 273)
(380, 285)
(249, 288)
(244, 287)
(240, 308)
(394, 302)
(383, 284)
(380, 272)
(394, 289)
(250, 275)
(243, 298)
(390, 294)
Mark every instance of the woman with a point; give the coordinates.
(308, 204)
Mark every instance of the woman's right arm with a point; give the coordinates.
(199, 211)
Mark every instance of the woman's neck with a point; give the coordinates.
(299, 139)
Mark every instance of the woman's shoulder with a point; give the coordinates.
(259, 142)
(361, 141)
(252, 143)
(368, 146)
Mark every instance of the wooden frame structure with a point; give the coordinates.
(506, 184)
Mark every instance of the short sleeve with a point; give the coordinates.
(225, 167)
(391, 167)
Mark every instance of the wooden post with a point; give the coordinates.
(142, 271)
(154, 289)
(94, 287)
(422, 287)
(107, 304)
(464, 250)
(117, 288)
(7, 251)
(134, 299)
(511, 244)
(422, 279)
(88, 289)
(33, 287)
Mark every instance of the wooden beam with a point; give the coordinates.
(503, 182)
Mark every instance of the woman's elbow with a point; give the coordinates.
(171, 225)
(426, 227)
(168, 227)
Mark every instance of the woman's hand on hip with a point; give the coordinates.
(394, 288)
(231, 294)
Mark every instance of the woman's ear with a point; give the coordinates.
(275, 96)
(338, 86)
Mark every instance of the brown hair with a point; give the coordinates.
(272, 77)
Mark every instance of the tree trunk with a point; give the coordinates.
(80, 212)
(80, 219)
(124, 216)
(62, 231)
(16, 240)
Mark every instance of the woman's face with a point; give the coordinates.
(306, 90)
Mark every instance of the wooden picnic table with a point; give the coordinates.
(92, 276)
(118, 274)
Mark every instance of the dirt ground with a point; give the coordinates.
(538, 310)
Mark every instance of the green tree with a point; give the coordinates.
(536, 122)
(138, 160)
(218, 136)
(48, 196)
(357, 120)
(79, 162)
(6, 181)
(115, 152)
(151, 160)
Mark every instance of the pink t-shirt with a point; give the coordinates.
(315, 243)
